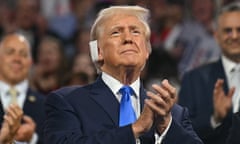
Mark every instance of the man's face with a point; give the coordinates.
(228, 34)
(15, 59)
(122, 43)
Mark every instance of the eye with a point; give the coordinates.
(136, 32)
(227, 30)
(9, 51)
(115, 33)
(24, 54)
(238, 30)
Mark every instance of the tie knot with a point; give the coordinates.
(126, 90)
(13, 92)
(236, 68)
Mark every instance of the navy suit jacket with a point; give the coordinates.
(89, 115)
(233, 137)
(33, 107)
(196, 94)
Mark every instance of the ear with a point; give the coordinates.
(216, 35)
(100, 54)
(94, 50)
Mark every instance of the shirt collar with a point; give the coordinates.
(20, 87)
(228, 64)
(115, 85)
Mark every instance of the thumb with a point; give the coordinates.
(28, 120)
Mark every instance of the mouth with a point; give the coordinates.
(16, 67)
(129, 51)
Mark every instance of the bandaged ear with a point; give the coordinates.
(94, 50)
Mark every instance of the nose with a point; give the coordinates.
(17, 57)
(235, 34)
(127, 37)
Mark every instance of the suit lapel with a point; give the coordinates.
(217, 72)
(104, 97)
(29, 101)
(142, 96)
(1, 113)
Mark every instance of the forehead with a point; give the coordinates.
(229, 19)
(14, 41)
(123, 20)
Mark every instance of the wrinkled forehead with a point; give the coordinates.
(118, 21)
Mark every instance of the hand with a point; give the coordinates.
(11, 123)
(26, 130)
(144, 122)
(221, 102)
(161, 104)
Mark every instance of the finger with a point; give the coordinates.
(28, 120)
(157, 99)
(164, 94)
(218, 88)
(172, 90)
(10, 113)
(155, 108)
(15, 111)
(219, 84)
(8, 120)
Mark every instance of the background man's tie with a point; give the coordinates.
(127, 113)
(13, 93)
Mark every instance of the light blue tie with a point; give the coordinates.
(127, 114)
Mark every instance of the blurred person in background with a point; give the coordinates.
(83, 63)
(26, 14)
(195, 44)
(15, 61)
(79, 79)
(211, 92)
(49, 71)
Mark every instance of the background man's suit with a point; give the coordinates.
(33, 107)
(234, 134)
(90, 115)
(197, 94)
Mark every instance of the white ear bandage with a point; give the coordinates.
(94, 50)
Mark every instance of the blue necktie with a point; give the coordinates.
(127, 114)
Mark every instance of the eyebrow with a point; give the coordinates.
(122, 27)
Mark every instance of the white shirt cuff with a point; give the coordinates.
(213, 123)
(159, 138)
(32, 141)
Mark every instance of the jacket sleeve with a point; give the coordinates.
(181, 130)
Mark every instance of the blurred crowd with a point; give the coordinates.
(58, 31)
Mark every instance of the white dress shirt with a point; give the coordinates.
(22, 89)
(115, 85)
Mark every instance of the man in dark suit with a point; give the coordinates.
(15, 61)
(210, 91)
(91, 114)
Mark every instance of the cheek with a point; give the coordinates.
(109, 47)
